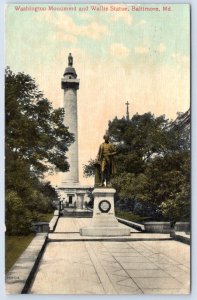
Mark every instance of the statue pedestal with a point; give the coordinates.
(104, 222)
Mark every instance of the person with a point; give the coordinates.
(105, 161)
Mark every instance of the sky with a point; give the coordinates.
(142, 57)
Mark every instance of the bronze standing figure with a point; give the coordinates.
(105, 167)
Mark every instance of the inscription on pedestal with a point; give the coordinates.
(104, 206)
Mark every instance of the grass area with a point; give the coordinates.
(14, 247)
(131, 216)
(46, 217)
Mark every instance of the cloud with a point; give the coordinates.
(181, 58)
(125, 16)
(161, 48)
(65, 23)
(93, 30)
(141, 50)
(61, 36)
(119, 50)
(71, 30)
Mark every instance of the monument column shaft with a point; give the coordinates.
(70, 120)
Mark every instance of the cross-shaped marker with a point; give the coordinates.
(127, 112)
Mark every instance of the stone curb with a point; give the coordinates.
(53, 223)
(106, 239)
(18, 279)
(181, 237)
(131, 224)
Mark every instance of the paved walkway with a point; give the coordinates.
(111, 267)
(73, 225)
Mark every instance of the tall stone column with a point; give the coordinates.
(70, 85)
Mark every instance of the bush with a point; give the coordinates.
(18, 218)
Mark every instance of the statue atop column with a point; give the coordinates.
(105, 168)
(70, 60)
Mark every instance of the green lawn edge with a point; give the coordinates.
(16, 245)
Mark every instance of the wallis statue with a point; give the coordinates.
(105, 163)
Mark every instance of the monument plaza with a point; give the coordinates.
(84, 251)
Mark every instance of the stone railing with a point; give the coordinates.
(134, 225)
(158, 227)
(53, 221)
(40, 227)
(165, 227)
(182, 226)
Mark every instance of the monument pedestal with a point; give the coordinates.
(104, 222)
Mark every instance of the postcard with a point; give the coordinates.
(97, 104)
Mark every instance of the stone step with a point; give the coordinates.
(71, 237)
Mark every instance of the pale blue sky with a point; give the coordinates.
(147, 29)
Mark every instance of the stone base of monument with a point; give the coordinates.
(104, 222)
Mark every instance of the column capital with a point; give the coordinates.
(70, 83)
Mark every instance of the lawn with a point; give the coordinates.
(15, 245)
(46, 217)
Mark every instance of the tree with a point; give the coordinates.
(35, 131)
(18, 218)
(36, 142)
(138, 141)
(153, 166)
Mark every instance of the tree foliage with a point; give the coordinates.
(36, 141)
(35, 131)
(153, 166)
